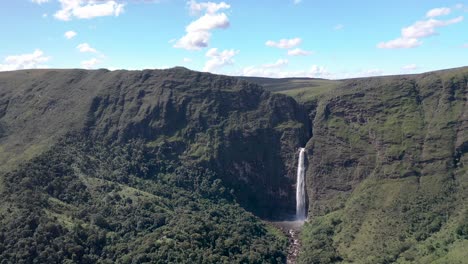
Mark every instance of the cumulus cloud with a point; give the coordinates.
(279, 63)
(194, 40)
(209, 7)
(85, 47)
(314, 71)
(400, 43)
(70, 34)
(219, 59)
(299, 52)
(25, 61)
(442, 11)
(208, 22)
(39, 1)
(87, 9)
(426, 28)
(284, 43)
(373, 72)
(363, 73)
(411, 35)
(198, 33)
(409, 68)
(89, 64)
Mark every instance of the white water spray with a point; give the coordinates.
(300, 187)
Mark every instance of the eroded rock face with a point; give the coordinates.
(245, 134)
(387, 169)
(388, 128)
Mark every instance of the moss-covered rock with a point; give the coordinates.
(388, 158)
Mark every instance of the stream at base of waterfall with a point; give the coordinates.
(292, 229)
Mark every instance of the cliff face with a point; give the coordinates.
(245, 134)
(238, 130)
(386, 165)
(387, 170)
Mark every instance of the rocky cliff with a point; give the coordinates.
(243, 133)
(387, 171)
(121, 165)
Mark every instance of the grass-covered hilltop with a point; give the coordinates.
(177, 166)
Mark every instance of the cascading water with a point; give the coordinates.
(300, 187)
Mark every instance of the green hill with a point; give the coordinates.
(176, 166)
(387, 177)
(101, 166)
(387, 171)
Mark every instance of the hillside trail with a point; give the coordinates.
(292, 229)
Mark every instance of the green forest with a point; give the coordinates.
(178, 166)
(83, 202)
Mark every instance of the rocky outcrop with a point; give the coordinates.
(246, 135)
(387, 159)
(389, 128)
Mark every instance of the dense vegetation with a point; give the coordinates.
(165, 166)
(143, 166)
(246, 135)
(387, 177)
(84, 202)
(387, 171)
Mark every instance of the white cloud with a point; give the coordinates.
(373, 72)
(45, 15)
(426, 28)
(409, 67)
(442, 11)
(194, 40)
(400, 43)
(219, 59)
(363, 73)
(25, 61)
(410, 36)
(314, 71)
(187, 60)
(209, 7)
(297, 1)
(88, 64)
(83, 9)
(70, 34)
(299, 52)
(85, 47)
(284, 43)
(198, 33)
(278, 64)
(338, 27)
(208, 22)
(39, 1)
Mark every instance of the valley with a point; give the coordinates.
(182, 166)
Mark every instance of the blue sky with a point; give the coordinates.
(275, 38)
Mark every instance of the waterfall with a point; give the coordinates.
(300, 187)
